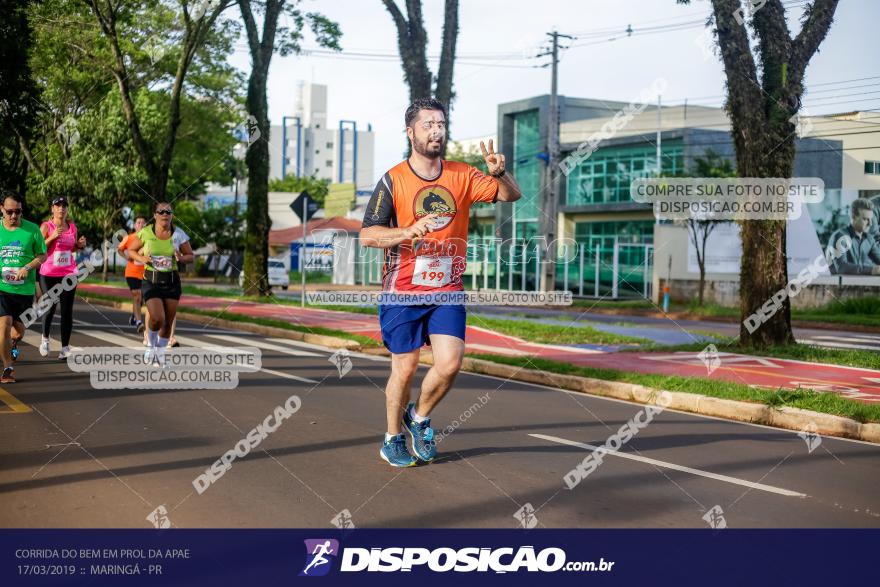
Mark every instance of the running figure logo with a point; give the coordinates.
(320, 554)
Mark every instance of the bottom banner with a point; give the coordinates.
(468, 557)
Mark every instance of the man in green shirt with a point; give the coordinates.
(22, 251)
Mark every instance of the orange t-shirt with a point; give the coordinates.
(435, 262)
(132, 268)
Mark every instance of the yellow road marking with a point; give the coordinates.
(15, 406)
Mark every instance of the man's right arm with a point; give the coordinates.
(380, 228)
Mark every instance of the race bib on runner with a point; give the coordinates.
(162, 263)
(432, 271)
(61, 258)
(9, 276)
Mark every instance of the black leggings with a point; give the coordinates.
(66, 301)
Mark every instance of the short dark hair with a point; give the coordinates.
(140, 217)
(423, 104)
(10, 194)
(861, 204)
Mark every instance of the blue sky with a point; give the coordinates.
(498, 37)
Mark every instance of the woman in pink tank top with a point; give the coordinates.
(61, 246)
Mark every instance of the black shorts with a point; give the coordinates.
(167, 291)
(14, 304)
(133, 283)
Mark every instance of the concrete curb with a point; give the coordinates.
(784, 417)
(319, 339)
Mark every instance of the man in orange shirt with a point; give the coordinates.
(419, 215)
(134, 275)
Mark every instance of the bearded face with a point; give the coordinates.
(428, 133)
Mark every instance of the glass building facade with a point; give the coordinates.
(605, 176)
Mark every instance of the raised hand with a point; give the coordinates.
(494, 161)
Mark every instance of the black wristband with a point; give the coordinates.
(499, 175)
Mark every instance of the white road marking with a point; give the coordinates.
(287, 375)
(674, 467)
(124, 342)
(263, 345)
(298, 343)
(115, 339)
(34, 339)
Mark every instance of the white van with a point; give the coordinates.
(278, 275)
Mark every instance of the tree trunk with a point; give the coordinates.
(764, 267)
(412, 42)
(257, 158)
(763, 134)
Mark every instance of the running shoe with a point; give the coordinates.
(44, 347)
(149, 355)
(15, 352)
(422, 436)
(173, 343)
(394, 452)
(9, 377)
(65, 352)
(132, 321)
(140, 326)
(159, 358)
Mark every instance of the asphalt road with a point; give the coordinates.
(84, 457)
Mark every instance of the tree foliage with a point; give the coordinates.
(317, 188)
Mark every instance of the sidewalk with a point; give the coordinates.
(765, 372)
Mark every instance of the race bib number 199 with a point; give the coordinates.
(432, 271)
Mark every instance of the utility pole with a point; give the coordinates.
(548, 203)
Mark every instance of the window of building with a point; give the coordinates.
(872, 167)
(526, 166)
(329, 163)
(329, 145)
(605, 177)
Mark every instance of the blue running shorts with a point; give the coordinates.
(406, 328)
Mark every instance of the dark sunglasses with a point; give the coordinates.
(164, 212)
(13, 212)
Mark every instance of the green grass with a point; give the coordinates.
(806, 399)
(236, 294)
(311, 277)
(863, 311)
(365, 341)
(552, 334)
